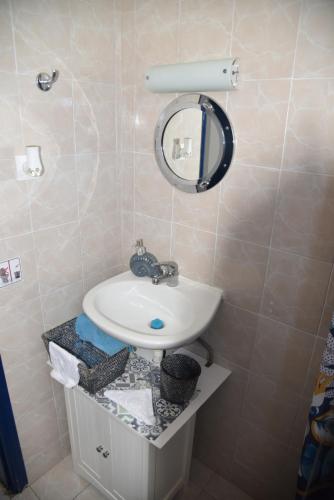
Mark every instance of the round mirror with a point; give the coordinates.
(193, 143)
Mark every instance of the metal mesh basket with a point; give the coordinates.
(178, 377)
(96, 368)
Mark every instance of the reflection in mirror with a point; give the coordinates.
(181, 143)
(193, 143)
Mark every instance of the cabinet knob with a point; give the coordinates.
(99, 448)
(106, 454)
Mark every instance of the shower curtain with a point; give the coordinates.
(316, 468)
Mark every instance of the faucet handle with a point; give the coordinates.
(170, 265)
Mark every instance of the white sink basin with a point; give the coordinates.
(124, 306)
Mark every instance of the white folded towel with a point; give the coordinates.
(65, 366)
(137, 402)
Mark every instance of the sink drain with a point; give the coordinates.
(157, 324)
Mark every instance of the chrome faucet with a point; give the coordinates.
(166, 271)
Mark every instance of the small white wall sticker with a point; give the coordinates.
(10, 271)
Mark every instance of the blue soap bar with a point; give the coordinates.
(157, 323)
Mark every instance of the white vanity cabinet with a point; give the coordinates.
(120, 461)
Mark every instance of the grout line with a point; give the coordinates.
(228, 237)
(286, 78)
(281, 164)
(325, 301)
(232, 27)
(172, 226)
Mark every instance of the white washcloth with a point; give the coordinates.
(137, 402)
(65, 366)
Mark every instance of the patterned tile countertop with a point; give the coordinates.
(141, 374)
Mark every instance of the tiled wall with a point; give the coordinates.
(65, 225)
(265, 234)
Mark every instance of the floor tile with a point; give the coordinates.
(90, 493)
(220, 489)
(60, 483)
(199, 473)
(27, 494)
(204, 495)
(190, 492)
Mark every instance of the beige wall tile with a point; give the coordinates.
(14, 208)
(264, 37)
(62, 305)
(330, 295)
(303, 215)
(258, 112)
(313, 372)
(156, 235)
(94, 117)
(101, 242)
(315, 42)
(95, 276)
(29, 384)
(247, 204)
(128, 33)
(127, 187)
(325, 322)
(153, 194)
(264, 455)
(193, 250)
(156, 34)
(298, 428)
(98, 183)
(229, 397)
(295, 290)
(42, 462)
(37, 429)
(240, 270)
(58, 257)
(92, 53)
(10, 125)
(7, 57)
(328, 311)
(232, 334)
(20, 332)
(6, 169)
(282, 354)
(147, 111)
(128, 236)
(47, 207)
(127, 118)
(93, 13)
(271, 406)
(201, 25)
(34, 50)
(309, 137)
(222, 411)
(47, 117)
(197, 210)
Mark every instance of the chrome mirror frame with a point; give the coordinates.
(198, 101)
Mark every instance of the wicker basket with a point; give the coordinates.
(96, 368)
(178, 378)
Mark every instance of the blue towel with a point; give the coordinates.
(89, 332)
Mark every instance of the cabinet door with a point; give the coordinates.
(131, 477)
(92, 437)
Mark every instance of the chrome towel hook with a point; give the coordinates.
(45, 81)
